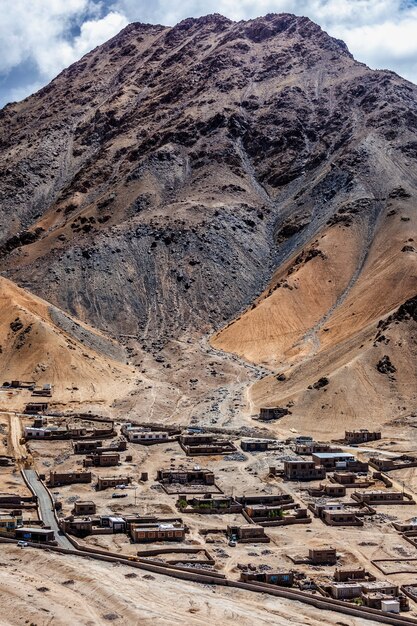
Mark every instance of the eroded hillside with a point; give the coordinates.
(157, 188)
(40, 343)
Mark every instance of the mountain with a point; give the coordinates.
(246, 181)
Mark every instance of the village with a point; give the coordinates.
(334, 522)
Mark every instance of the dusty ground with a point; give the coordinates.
(47, 588)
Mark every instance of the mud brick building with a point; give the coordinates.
(196, 476)
(248, 533)
(84, 447)
(254, 445)
(283, 579)
(381, 497)
(341, 518)
(84, 507)
(196, 445)
(361, 436)
(303, 470)
(322, 556)
(107, 459)
(160, 531)
(104, 482)
(68, 478)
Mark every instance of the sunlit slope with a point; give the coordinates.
(325, 323)
(40, 343)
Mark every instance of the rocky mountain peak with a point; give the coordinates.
(156, 187)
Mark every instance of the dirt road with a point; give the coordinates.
(46, 507)
(18, 450)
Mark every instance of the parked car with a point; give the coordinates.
(22, 544)
(119, 495)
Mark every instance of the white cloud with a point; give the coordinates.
(381, 33)
(39, 32)
(41, 36)
(93, 33)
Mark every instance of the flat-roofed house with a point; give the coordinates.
(198, 475)
(341, 518)
(283, 579)
(322, 556)
(104, 482)
(160, 531)
(345, 591)
(35, 534)
(303, 470)
(148, 436)
(362, 436)
(57, 479)
(9, 522)
(84, 507)
(107, 459)
(380, 496)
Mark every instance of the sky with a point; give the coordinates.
(39, 38)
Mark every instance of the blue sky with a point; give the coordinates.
(38, 38)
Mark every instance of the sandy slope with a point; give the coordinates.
(49, 588)
(322, 321)
(40, 343)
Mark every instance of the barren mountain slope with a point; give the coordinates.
(320, 318)
(40, 343)
(156, 187)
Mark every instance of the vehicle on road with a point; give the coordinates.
(22, 544)
(119, 495)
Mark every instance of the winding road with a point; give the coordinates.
(46, 507)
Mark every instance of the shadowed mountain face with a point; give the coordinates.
(158, 186)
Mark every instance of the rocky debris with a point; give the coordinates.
(385, 366)
(95, 341)
(406, 312)
(322, 382)
(305, 257)
(235, 456)
(24, 238)
(290, 228)
(344, 215)
(408, 248)
(399, 192)
(16, 325)
(21, 338)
